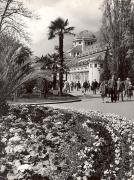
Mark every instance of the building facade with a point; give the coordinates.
(85, 58)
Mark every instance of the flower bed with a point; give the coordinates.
(41, 143)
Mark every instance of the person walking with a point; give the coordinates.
(103, 87)
(112, 86)
(78, 86)
(120, 88)
(66, 86)
(72, 85)
(127, 84)
(95, 86)
(85, 86)
(88, 86)
(130, 90)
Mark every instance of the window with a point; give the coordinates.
(79, 42)
(88, 43)
(95, 65)
(91, 66)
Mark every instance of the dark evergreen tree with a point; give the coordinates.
(59, 28)
(105, 74)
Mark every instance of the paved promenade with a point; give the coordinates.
(94, 102)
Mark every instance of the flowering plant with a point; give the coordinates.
(43, 143)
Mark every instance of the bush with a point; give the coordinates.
(3, 108)
(45, 143)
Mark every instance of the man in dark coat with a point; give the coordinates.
(85, 86)
(112, 86)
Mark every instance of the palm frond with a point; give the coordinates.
(51, 35)
(71, 28)
(45, 74)
(66, 23)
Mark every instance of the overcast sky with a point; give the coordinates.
(82, 14)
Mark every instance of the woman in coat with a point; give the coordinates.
(103, 90)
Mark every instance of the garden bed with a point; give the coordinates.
(41, 143)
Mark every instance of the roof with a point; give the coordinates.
(85, 35)
(99, 56)
(77, 48)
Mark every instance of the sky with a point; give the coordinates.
(82, 14)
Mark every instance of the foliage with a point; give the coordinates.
(105, 74)
(59, 28)
(117, 30)
(14, 56)
(12, 15)
(62, 144)
(50, 62)
(16, 68)
(29, 86)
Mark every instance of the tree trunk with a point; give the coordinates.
(54, 80)
(61, 61)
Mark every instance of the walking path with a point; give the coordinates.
(88, 102)
(94, 102)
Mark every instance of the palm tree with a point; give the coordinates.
(14, 74)
(59, 27)
(50, 62)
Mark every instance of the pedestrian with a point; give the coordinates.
(75, 86)
(92, 86)
(103, 87)
(66, 86)
(85, 86)
(112, 86)
(130, 90)
(72, 85)
(120, 88)
(126, 83)
(95, 86)
(78, 86)
(88, 85)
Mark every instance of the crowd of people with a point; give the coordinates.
(85, 87)
(116, 89)
(112, 89)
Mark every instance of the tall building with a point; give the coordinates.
(85, 58)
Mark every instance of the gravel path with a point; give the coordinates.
(125, 108)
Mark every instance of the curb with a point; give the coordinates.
(43, 103)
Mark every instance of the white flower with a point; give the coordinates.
(17, 163)
(32, 136)
(24, 167)
(3, 140)
(9, 149)
(116, 168)
(84, 125)
(79, 178)
(2, 168)
(84, 178)
(106, 172)
(19, 148)
(49, 136)
(132, 148)
(117, 151)
(15, 139)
